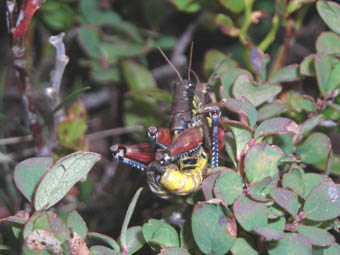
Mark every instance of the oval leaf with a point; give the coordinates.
(61, 177)
(259, 190)
(76, 222)
(134, 239)
(328, 43)
(228, 186)
(28, 173)
(174, 251)
(275, 126)
(137, 76)
(287, 74)
(311, 180)
(241, 134)
(269, 233)
(291, 244)
(286, 199)
(262, 161)
(315, 148)
(215, 239)
(255, 93)
(160, 234)
(241, 246)
(250, 213)
(106, 239)
(242, 107)
(330, 13)
(323, 202)
(102, 250)
(316, 236)
(271, 110)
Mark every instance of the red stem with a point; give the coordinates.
(17, 25)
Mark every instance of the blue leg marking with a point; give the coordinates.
(214, 157)
(131, 163)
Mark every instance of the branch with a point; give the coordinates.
(17, 24)
(57, 74)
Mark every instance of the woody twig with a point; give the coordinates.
(17, 24)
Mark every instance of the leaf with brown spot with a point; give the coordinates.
(77, 245)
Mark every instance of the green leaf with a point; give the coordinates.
(310, 123)
(76, 222)
(228, 186)
(311, 180)
(89, 38)
(242, 107)
(104, 238)
(137, 76)
(127, 218)
(333, 250)
(226, 25)
(315, 148)
(216, 61)
(57, 15)
(287, 74)
(317, 236)
(28, 173)
(294, 182)
(242, 247)
(285, 142)
(229, 76)
(232, 5)
(134, 239)
(72, 129)
(102, 250)
(186, 5)
(241, 133)
(270, 233)
(270, 110)
(230, 147)
(275, 212)
(323, 202)
(334, 78)
(174, 251)
(117, 49)
(324, 65)
(29, 226)
(307, 66)
(66, 172)
(186, 237)
(328, 43)
(286, 199)
(278, 223)
(330, 13)
(276, 126)
(160, 234)
(216, 238)
(261, 161)
(208, 185)
(250, 213)
(292, 244)
(51, 222)
(256, 93)
(259, 190)
(89, 10)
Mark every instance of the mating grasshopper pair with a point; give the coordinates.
(176, 161)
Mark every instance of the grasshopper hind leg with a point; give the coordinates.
(215, 116)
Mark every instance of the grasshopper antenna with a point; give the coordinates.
(190, 60)
(171, 64)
